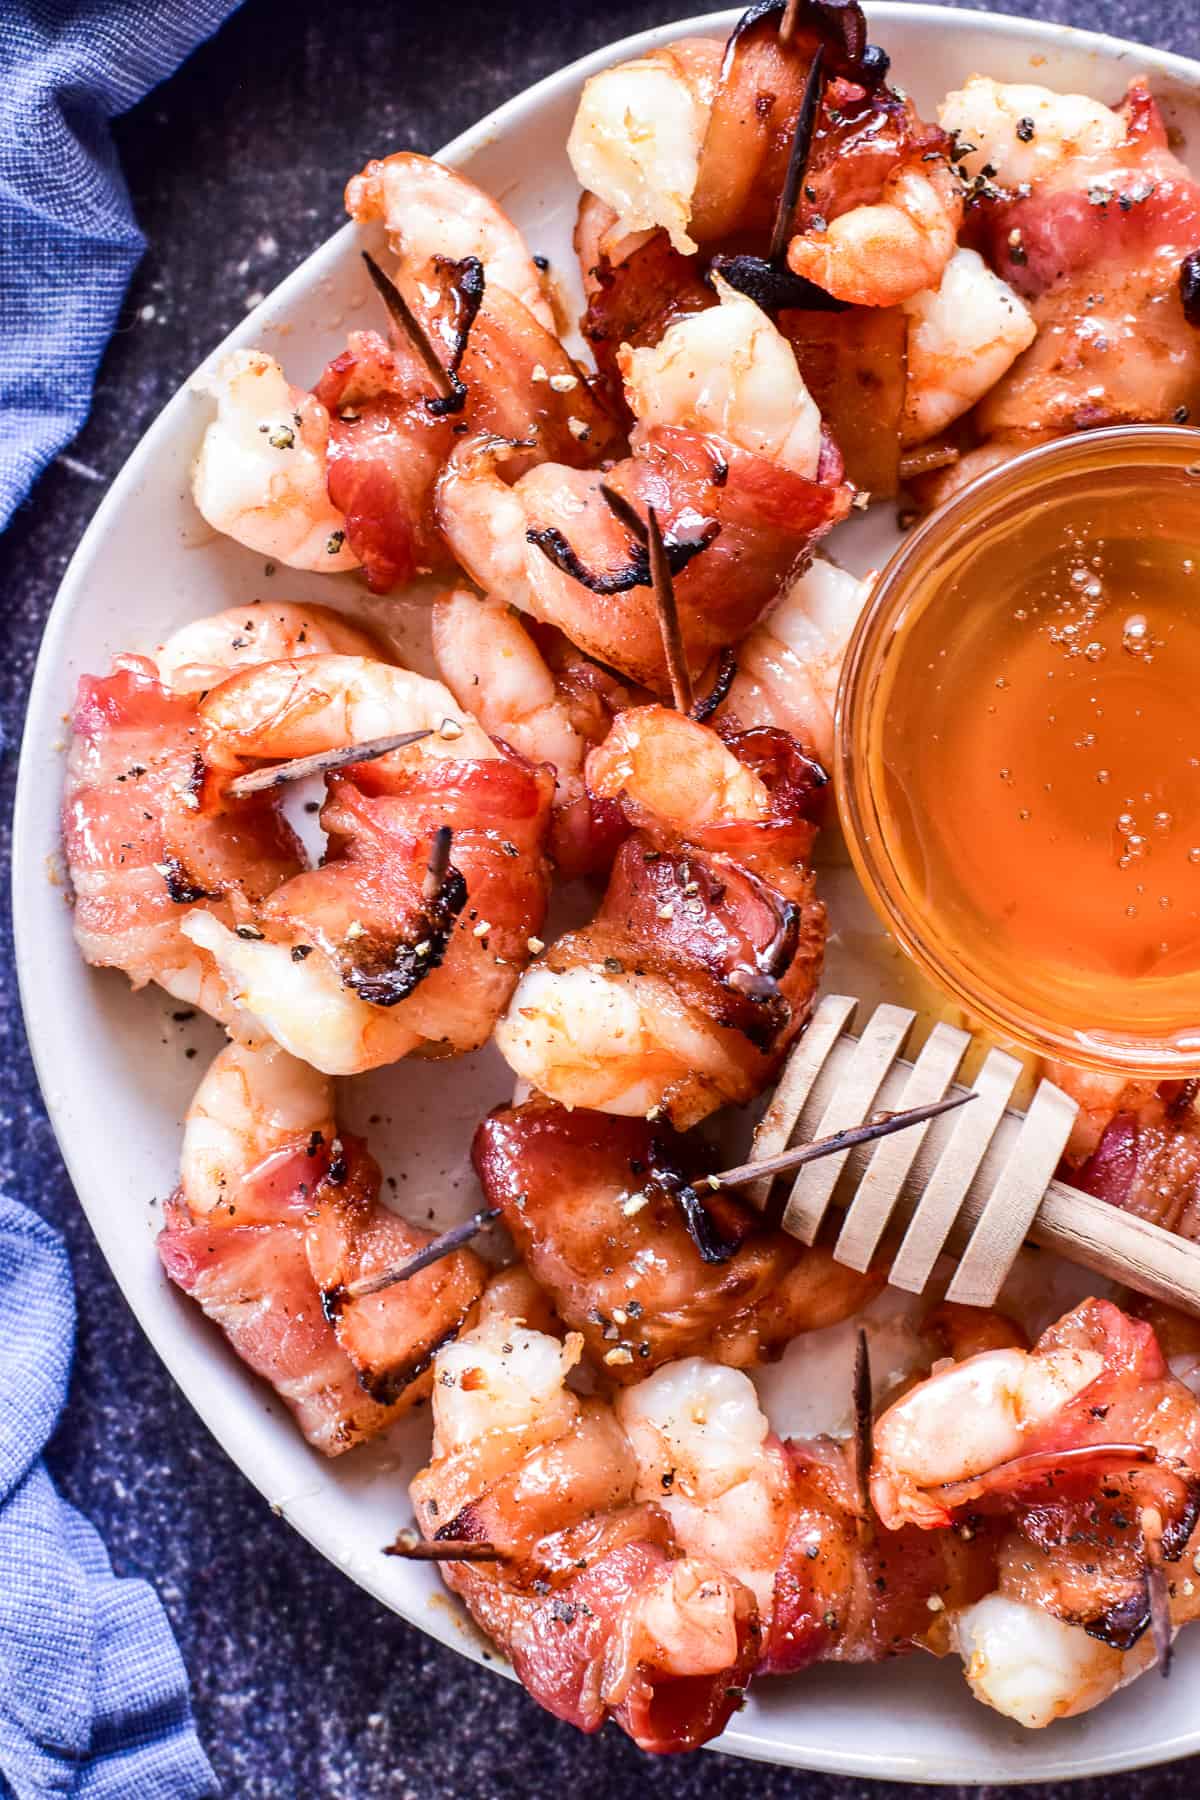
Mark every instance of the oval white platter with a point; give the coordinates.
(112, 1064)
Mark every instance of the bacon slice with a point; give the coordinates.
(847, 1590)
(756, 104)
(1148, 1163)
(367, 910)
(1099, 262)
(148, 831)
(347, 1367)
(634, 1282)
(391, 427)
(735, 523)
(385, 449)
(854, 365)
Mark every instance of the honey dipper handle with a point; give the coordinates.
(1091, 1232)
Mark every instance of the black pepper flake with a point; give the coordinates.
(1189, 287)
(251, 933)
(1025, 130)
(300, 951)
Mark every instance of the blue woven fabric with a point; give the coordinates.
(68, 239)
(93, 1691)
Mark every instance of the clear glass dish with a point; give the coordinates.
(1045, 937)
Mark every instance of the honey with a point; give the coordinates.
(1027, 741)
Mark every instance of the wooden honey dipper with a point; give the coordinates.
(974, 1183)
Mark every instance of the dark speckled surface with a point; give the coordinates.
(303, 1686)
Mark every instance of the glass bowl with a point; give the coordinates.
(1043, 938)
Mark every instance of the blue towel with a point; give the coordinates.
(68, 238)
(93, 1691)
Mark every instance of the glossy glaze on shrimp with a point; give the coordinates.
(592, 1601)
(685, 991)
(276, 1217)
(1089, 216)
(356, 964)
(613, 1219)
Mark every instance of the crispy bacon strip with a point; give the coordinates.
(147, 829)
(758, 98)
(634, 1282)
(346, 1368)
(452, 959)
(735, 523)
(850, 1591)
(1099, 260)
(386, 445)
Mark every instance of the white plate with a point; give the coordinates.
(112, 1065)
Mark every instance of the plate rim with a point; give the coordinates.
(26, 887)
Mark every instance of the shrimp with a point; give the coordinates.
(198, 656)
(1036, 1667)
(700, 966)
(1087, 1443)
(1033, 1668)
(787, 1520)
(1025, 135)
(255, 1113)
(735, 524)
(490, 663)
(276, 1220)
(261, 476)
(883, 253)
(430, 211)
(493, 663)
(963, 335)
(789, 666)
(600, 1613)
(728, 370)
(356, 964)
(152, 839)
(638, 133)
(615, 1222)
